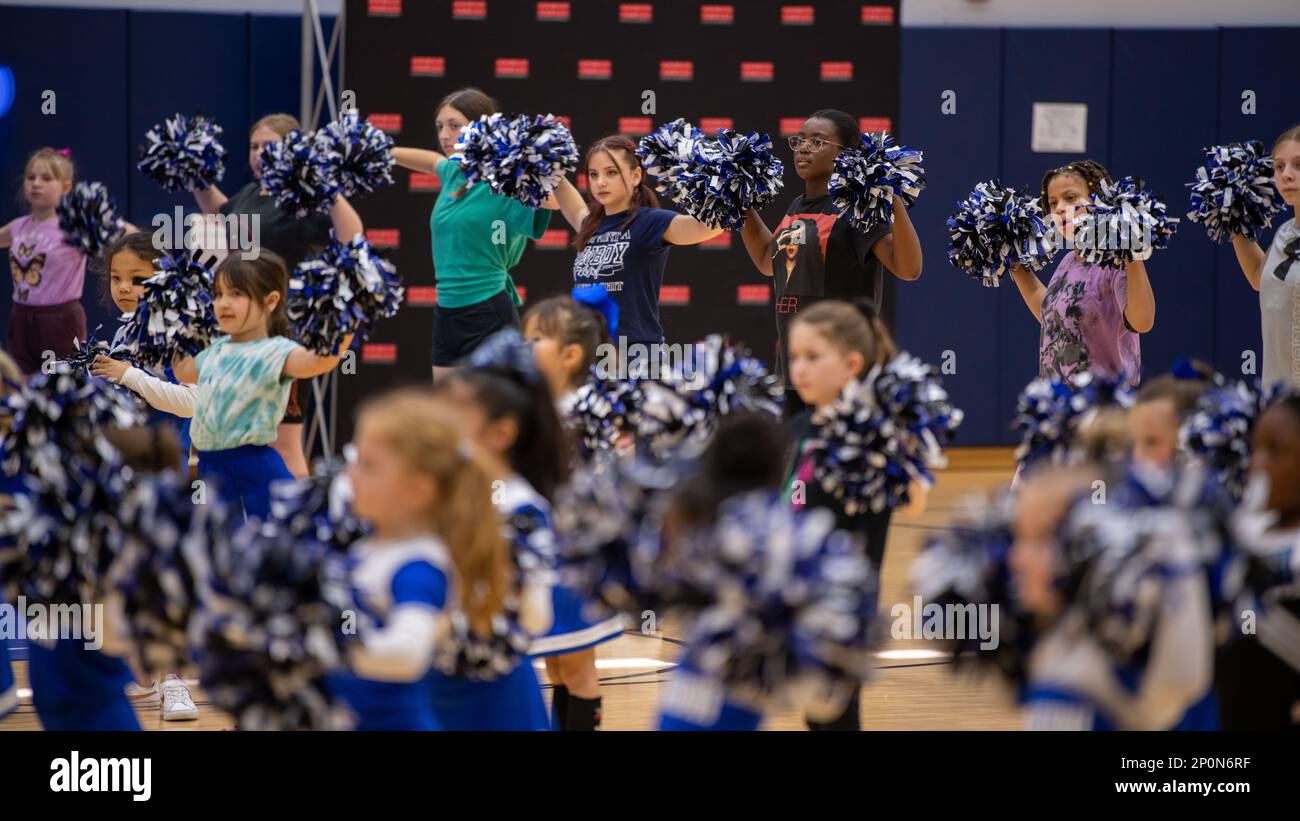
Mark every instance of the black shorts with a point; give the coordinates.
(458, 331)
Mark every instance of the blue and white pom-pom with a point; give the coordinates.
(302, 173)
(679, 411)
(524, 157)
(281, 613)
(715, 179)
(467, 654)
(1050, 413)
(175, 317)
(183, 153)
(601, 413)
(57, 543)
(86, 350)
(88, 218)
(1219, 431)
(365, 154)
(730, 174)
(882, 433)
(599, 516)
(1125, 224)
(1234, 194)
(995, 229)
(344, 289)
(783, 605)
(868, 176)
(667, 154)
(162, 570)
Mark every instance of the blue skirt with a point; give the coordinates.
(512, 702)
(8, 688)
(78, 689)
(572, 629)
(244, 476)
(384, 705)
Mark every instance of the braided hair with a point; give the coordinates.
(1091, 172)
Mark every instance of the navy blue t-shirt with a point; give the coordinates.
(629, 260)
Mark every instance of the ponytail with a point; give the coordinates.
(462, 514)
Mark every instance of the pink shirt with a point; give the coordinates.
(46, 270)
(1083, 323)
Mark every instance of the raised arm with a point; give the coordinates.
(347, 222)
(418, 159)
(1031, 288)
(684, 230)
(900, 250)
(758, 242)
(1250, 257)
(1140, 311)
(303, 364)
(571, 204)
(210, 199)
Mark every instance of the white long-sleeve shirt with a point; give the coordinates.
(169, 397)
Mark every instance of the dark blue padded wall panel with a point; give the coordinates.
(1159, 139)
(945, 310)
(1042, 65)
(187, 63)
(1262, 61)
(90, 88)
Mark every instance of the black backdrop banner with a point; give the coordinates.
(607, 67)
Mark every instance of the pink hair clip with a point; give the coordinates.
(67, 152)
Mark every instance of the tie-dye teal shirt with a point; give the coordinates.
(242, 392)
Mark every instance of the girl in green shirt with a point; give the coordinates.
(478, 236)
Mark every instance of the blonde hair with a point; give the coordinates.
(279, 122)
(852, 327)
(60, 165)
(463, 515)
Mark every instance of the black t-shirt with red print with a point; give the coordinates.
(816, 256)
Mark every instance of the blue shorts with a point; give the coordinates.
(244, 476)
(383, 705)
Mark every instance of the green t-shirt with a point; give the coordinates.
(468, 266)
(242, 392)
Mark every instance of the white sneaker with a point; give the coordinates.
(143, 696)
(177, 703)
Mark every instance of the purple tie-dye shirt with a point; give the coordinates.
(1083, 323)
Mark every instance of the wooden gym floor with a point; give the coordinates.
(915, 687)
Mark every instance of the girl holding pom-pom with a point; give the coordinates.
(814, 254)
(1091, 315)
(476, 296)
(48, 273)
(244, 379)
(291, 238)
(831, 344)
(131, 260)
(623, 238)
(1275, 274)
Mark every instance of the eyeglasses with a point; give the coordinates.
(816, 143)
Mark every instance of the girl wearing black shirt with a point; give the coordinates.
(814, 255)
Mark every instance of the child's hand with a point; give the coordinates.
(109, 368)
